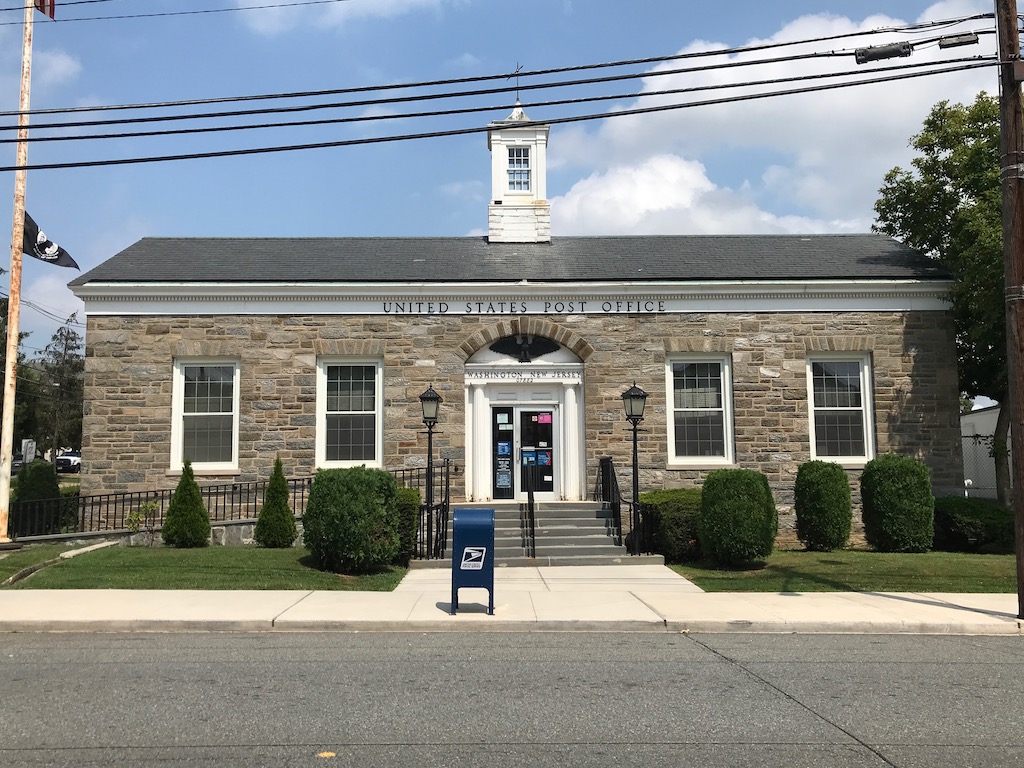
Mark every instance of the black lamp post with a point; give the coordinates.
(430, 402)
(633, 400)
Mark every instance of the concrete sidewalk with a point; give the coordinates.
(640, 598)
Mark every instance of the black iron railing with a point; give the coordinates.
(607, 491)
(225, 502)
(528, 512)
(123, 511)
(432, 531)
(641, 537)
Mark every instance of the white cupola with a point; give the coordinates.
(519, 211)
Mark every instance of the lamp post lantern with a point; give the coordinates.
(430, 403)
(633, 400)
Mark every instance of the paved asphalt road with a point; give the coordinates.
(510, 699)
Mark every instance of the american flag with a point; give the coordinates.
(46, 6)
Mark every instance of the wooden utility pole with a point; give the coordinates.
(14, 300)
(1011, 173)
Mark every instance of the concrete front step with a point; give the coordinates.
(567, 533)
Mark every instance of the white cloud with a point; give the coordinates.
(51, 68)
(820, 154)
(464, 190)
(666, 195)
(273, 21)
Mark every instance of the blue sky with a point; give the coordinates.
(809, 163)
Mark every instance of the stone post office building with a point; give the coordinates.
(757, 351)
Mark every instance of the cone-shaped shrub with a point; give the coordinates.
(738, 520)
(351, 520)
(275, 525)
(187, 523)
(897, 504)
(824, 512)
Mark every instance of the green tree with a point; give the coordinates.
(187, 523)
(24, 405)
(275, 525)
(949, 207)
(62, 366)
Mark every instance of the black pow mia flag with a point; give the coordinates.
(37, 244)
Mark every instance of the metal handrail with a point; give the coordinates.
(607, 491)
(528, 520)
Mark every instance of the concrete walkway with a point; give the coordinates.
(641, 598)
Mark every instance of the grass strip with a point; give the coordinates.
(249, 568)
(860, 571)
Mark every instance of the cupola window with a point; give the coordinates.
(519, 169)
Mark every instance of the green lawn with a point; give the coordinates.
(861, 571)
(11, 562)
(205, 568)
(258, 568)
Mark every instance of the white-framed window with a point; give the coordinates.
(349, 398)
(519, 169)
(205, 414)
(839, 393)
(700, 418)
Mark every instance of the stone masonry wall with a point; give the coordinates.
(129, 363)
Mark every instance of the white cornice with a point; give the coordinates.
(115, 298)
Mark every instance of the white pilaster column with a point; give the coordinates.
(571, 453)
(478, 446)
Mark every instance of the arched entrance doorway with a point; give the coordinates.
(524, 409)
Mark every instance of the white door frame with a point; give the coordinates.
(526, 386)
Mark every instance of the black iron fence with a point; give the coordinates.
(125, 511)
(225, 502)
(432, 531)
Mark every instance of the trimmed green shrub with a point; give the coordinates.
(37, 481)
(738, 521)
(823, 506)
(673, 515)
(972, 525)
(408, 524)
(897, 504)
(38, 507)
(351, 520)
(275, 524)
(187, 522)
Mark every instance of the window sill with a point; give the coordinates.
(700, 465)
(206, 471)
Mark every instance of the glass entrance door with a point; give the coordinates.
(537, 465)
(523, 436)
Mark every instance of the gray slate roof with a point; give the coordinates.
(473, 259)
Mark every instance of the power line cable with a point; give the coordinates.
(502, 76)
(987, 62)
(391, 101)
(478, 109)
(161, 14)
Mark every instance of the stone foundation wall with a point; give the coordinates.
(129, 364)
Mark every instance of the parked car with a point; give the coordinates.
(69, 461)
(17, 463)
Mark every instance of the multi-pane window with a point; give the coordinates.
(519, 169)
(349, 404)
(700, 420)
(206, 414)
(840, 408)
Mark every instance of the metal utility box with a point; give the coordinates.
(473, 553)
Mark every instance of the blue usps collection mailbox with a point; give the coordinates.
(473, 553)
